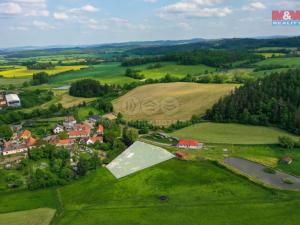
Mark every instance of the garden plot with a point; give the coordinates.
(137, 157)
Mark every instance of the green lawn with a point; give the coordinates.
(13, 81)
(174, 70)
(106, 73)
(232, 133)
(42, 216)
(199, 193)
(83, 113)
(291, 61)
(26, 200)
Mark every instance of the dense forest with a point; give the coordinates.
(89, 88)
(273, 100)
(208, 57)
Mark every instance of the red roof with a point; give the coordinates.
(188, 142)
(65, 142)
(79, 133)
(26, 134)
(95, 139)
(31, 142)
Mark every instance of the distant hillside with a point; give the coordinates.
(234, 43)
(273, 100)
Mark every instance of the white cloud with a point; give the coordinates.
(74, 14)
(24, 8)
(89, 8)
(195, 8)
(10, 8)
(60, 16)
(254, 6)
(42, 25)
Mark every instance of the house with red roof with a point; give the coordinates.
(94, 139)
(190, 144)
(25, 135)
(80, 131)
(30, 142)
(64, 142)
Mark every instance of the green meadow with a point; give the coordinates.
(200, 193)
(173, 69)
(42, 216)
(105, 73)
(291, 61)
(226, 133)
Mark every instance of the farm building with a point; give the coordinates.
(190, 144)
(13, 100)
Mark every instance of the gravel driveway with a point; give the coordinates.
(256, 170)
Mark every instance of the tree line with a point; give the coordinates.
(273, 100)
(209, 57)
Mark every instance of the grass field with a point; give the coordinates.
(167, 103)
(232, 133)
(174, 70)
(22, 71)
(106, 73)
(83, 113)
(199, 193)
(291, 61)
(13, 81)
(42, 216)
(204, 195)
(62, 97)
(270, 55)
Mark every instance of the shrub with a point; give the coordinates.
(286, 142)
(269, 170)
(287, 181)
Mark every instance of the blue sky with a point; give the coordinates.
(72, 22)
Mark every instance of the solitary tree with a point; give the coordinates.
(5, 132)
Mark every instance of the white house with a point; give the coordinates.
(13, 100)
(58, 129)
